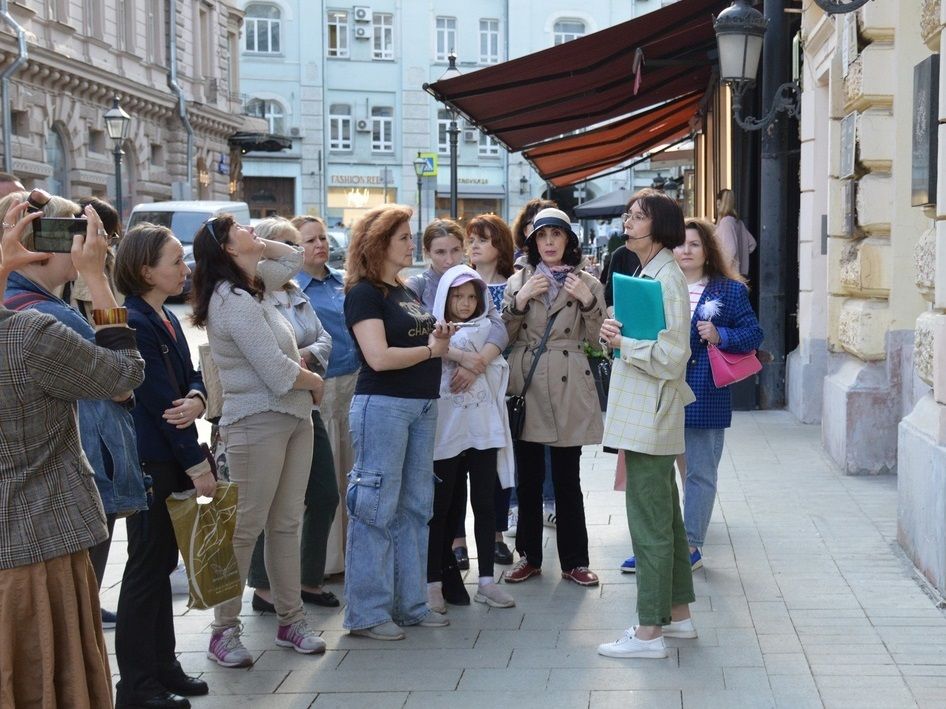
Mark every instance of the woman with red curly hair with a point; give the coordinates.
(393, 419)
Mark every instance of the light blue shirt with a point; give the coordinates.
(328, 299)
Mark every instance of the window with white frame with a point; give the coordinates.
(261, 28)
(489, 41)
(382, 26)
(339, 121)
(337, 33)
(446, 37)
(567, 30)
(382, 129)
(443, 131)
(270, 111)
(488, 148)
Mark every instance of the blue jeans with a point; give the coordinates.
(390, 502)
(704, 448)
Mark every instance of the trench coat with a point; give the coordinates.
(648, 389)
(562, 408)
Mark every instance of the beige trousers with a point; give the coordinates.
(269, 455)
(334, 409)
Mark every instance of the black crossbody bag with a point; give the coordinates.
(516, 405)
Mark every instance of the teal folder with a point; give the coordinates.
(639, 307)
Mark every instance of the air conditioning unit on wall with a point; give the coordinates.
(363, 126)
(470, 136)
(361, 13)
(362, 33)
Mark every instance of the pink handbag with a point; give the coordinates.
(731, 367)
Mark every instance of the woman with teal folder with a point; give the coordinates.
(646, 398)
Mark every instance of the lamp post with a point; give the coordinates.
(453, 131)
(420, 165)
(523, 184)
(739, 31)
(116, 125)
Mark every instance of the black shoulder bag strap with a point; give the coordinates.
(537, 352)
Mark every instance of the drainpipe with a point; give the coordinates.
(177, 91)
(20, 60)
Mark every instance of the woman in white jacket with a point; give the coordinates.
(472, 436)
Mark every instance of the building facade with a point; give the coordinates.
(82, 54)
(871, 364)
(346, 86)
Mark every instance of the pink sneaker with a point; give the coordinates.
(226, 648)
(300, 637)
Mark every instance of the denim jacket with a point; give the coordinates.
(106, 428)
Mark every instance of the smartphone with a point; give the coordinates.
(54, 234)
(468, 323)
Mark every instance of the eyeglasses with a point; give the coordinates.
(635, 216)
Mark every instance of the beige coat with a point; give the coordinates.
(648, 387)
(562, 403)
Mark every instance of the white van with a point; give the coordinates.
(185, 219)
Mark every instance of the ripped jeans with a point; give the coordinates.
(390, 502)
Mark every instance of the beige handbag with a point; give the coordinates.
(208, 370)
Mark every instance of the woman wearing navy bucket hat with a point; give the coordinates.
(553, 299)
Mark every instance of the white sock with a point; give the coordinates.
(486, 580)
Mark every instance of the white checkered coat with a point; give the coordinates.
(648, 383)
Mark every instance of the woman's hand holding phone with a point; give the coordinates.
(439, 340)
(13, 255)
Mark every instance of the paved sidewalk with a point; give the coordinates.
(805, 600)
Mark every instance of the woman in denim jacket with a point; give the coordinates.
(105, 426)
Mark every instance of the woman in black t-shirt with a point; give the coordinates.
(393, 419)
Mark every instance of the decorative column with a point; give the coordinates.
(872, 231)
(921, 459)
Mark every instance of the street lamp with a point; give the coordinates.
(739, 32)
(116, 125)
(523, 184)
(453, 131)
(420, 166)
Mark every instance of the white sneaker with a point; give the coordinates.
(680, 629)
(512, 522)
(435, 600)
(548, 515)
(493, 595)
(628, 645)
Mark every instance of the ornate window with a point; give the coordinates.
(262, 27)
(271, 111)
(566, 30)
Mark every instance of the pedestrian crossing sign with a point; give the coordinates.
(431, 169)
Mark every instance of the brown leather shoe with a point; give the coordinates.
(581, 575)
(521, 571)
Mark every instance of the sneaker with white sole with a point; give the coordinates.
(226, 648)
(384, 631)
(493, 595)
(680, 629)
(548, 515)
(434, 620)
(300, 637)
(629, 645)
(435, 600)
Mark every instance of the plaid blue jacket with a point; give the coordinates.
(739, 332)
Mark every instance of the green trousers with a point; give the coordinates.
(664, 576)
(321, 501)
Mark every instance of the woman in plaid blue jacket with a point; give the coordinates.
(720, 315)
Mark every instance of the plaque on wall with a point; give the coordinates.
(848, 145)
(925, 131)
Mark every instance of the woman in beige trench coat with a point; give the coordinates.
(562, 409)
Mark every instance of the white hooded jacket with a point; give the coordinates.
(476, 418)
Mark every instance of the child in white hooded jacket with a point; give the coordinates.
(472, 437)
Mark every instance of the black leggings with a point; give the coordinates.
(450, 506)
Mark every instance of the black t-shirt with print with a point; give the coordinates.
(406, 324)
